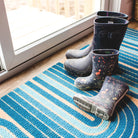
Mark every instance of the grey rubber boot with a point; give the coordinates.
(108, 34)
(73, 54)
(104, 61)
(104, 103)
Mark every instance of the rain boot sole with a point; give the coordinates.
(91, 107)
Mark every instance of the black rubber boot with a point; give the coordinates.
(108, 34)
(103, 65)
(111, 14)
(104, 103)
(73, 54)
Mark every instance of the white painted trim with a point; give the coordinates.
(115, 5)
(105, 5)
(6, 47)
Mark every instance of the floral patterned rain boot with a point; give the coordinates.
(73, 54)
(108, 34)
(104, 61)
(104, 103)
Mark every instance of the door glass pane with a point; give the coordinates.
(31, 20)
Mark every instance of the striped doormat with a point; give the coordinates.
(43, 106)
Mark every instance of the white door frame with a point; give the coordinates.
(115, 5)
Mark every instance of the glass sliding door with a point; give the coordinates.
(31, 28)
(29, 21)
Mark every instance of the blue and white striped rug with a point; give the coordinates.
(43, 106)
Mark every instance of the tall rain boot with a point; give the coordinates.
(104, 103)
(108, 34)
(104, 61)
(72, 53)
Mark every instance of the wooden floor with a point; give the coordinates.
(26, 75)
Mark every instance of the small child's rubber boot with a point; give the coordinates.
(104, 61)
(104, 103)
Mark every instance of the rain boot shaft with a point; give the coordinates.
(73, 54)
(109, 33)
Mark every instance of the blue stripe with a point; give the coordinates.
(78, 124)
(127, 81)
(135, 33)
(132, 31)
(133, 72)
(60, 64)
(84, 47)
(121, 125)
(126, 42)
(45, 110)
(129, 36)
(128, 72)
(130, 119)
(129, 55)
(68, 85)
(12, 128)
(29, 117)
(88, 93)
(61, 90)
(61, 69)
(130, 41)
(39, 115)
(129, 124)
(130, 78)
(127, 52)
(61, 75)
(59, 103)
(5, 134)
(130, 62)
(132, 35)
(19, 119)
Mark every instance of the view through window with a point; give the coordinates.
(31, 20)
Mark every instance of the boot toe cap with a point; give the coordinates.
(77, 68)
(71, 54)
(81, 83)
